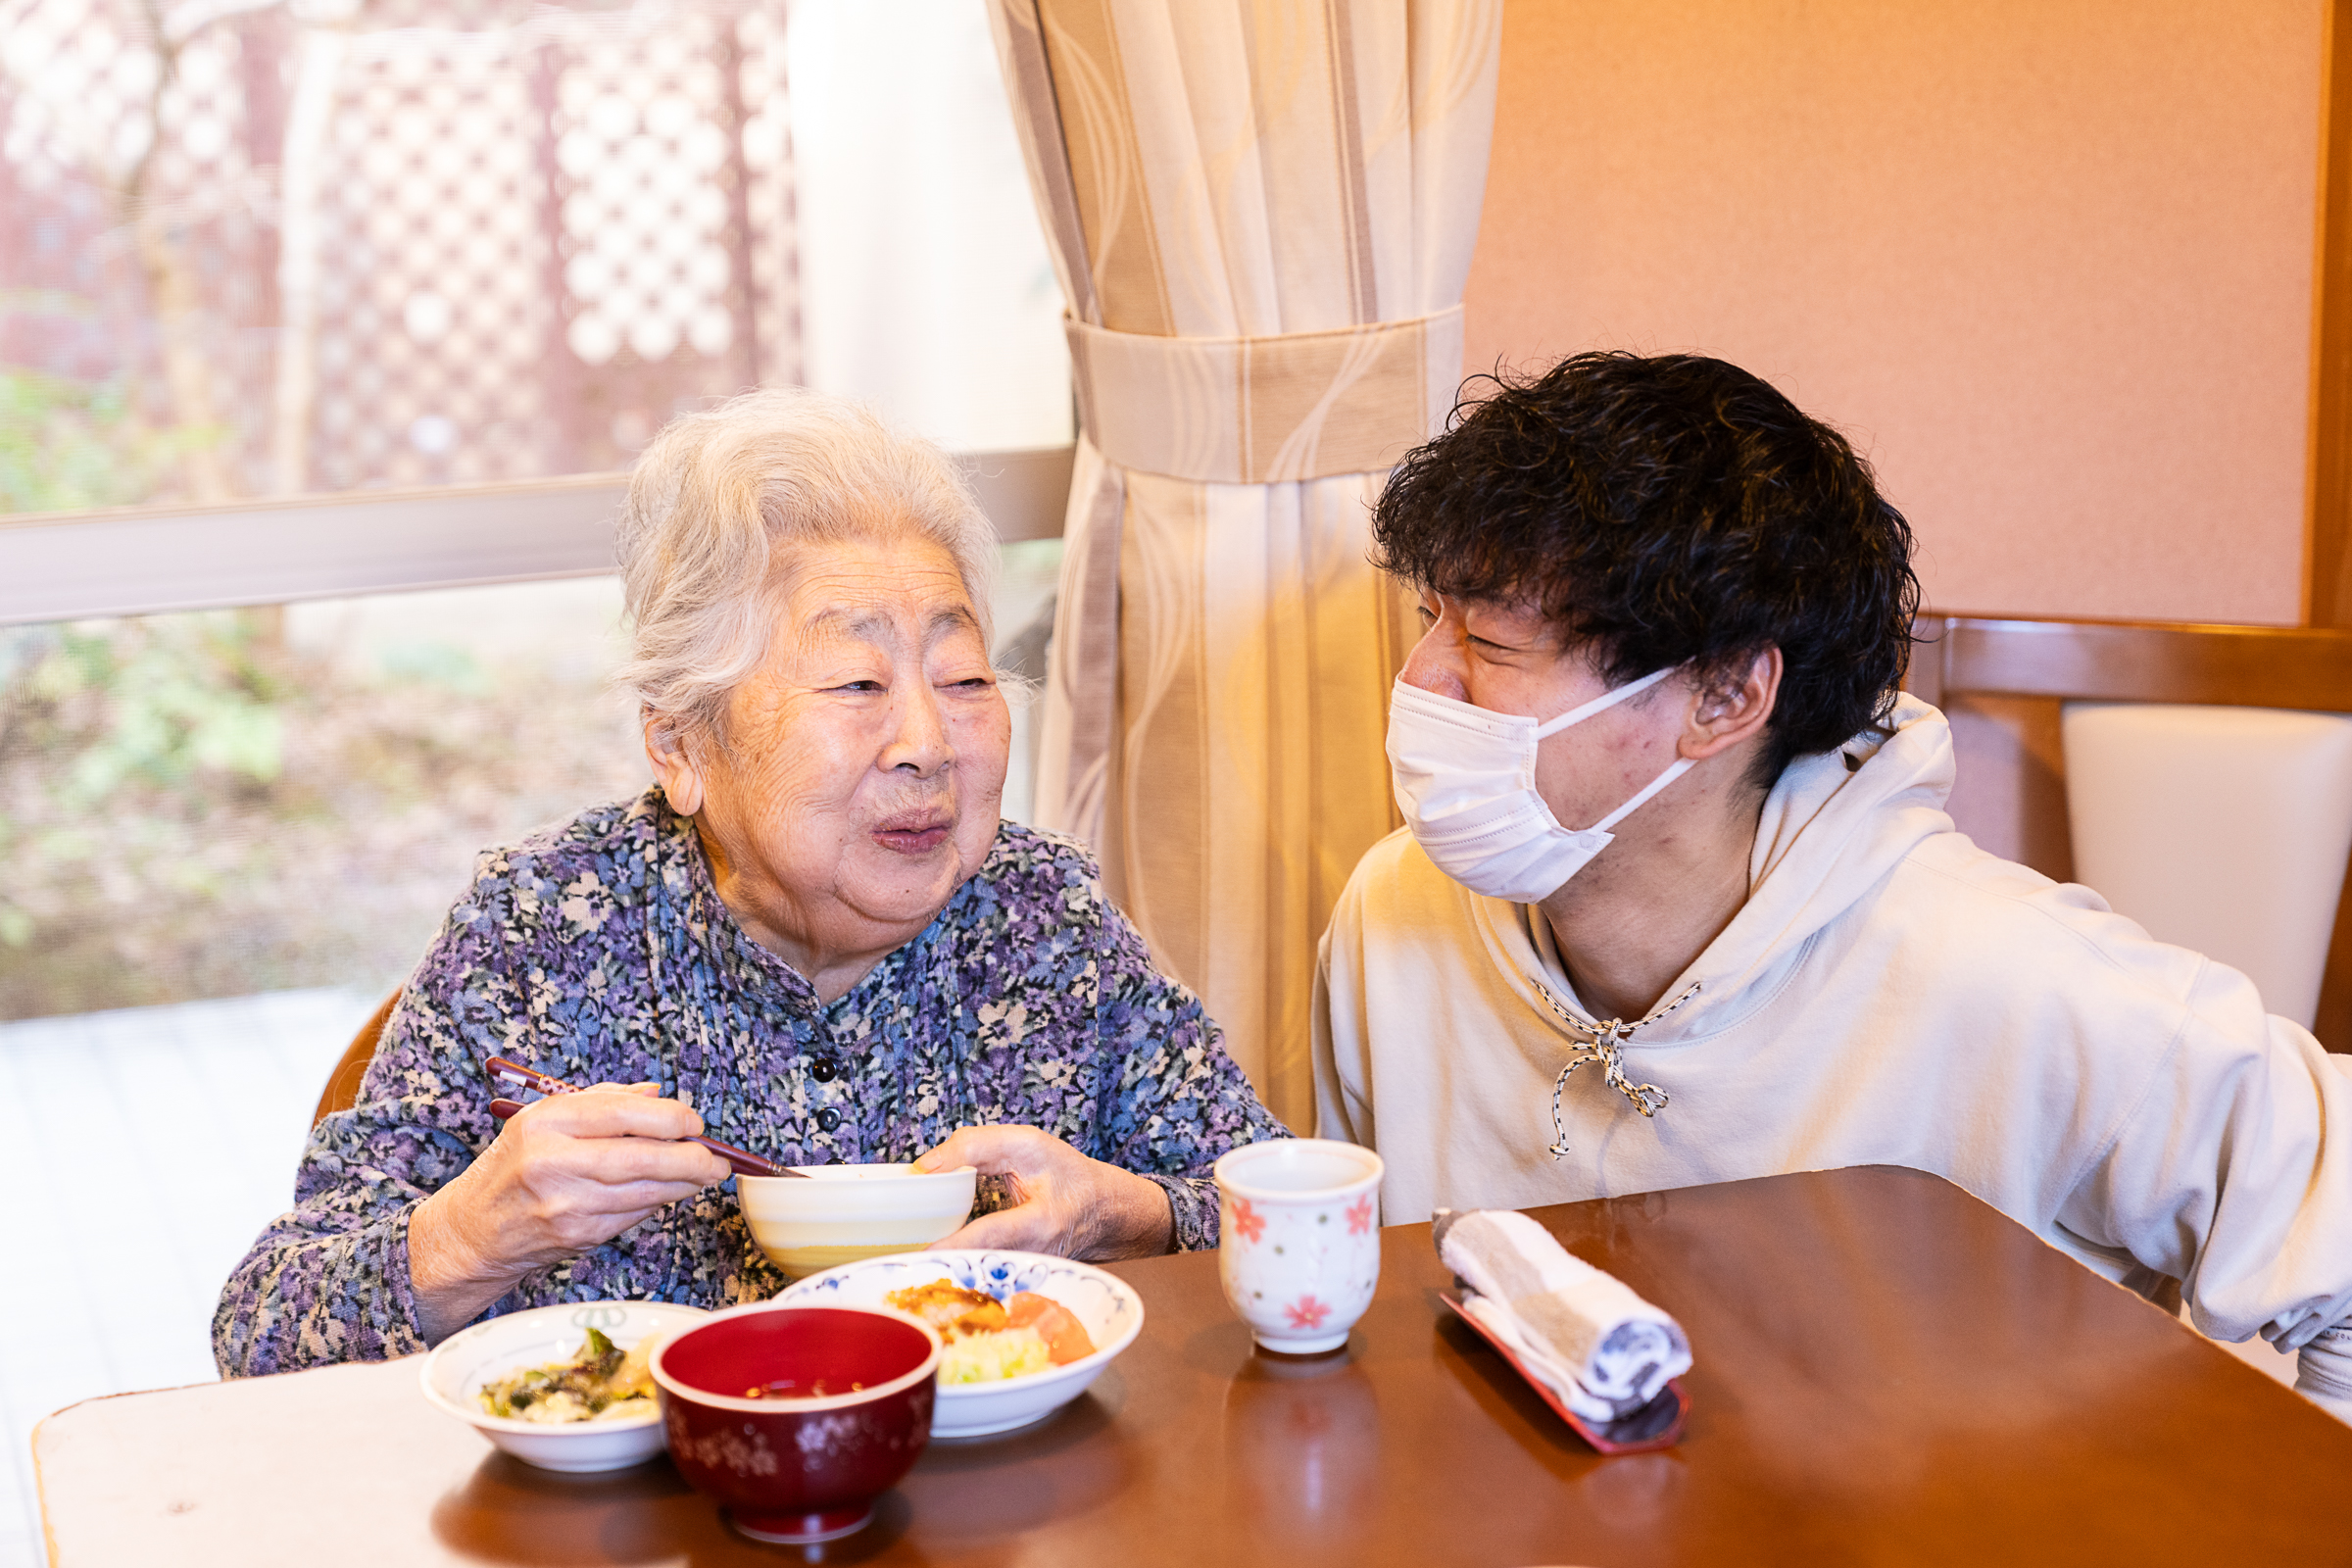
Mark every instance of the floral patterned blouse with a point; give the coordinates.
(599, 950)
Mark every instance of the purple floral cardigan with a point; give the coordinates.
(599, 950)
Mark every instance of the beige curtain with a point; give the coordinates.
(1262, 216)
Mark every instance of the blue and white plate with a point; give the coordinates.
(1108, 1306)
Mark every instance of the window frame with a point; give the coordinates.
(141, 561)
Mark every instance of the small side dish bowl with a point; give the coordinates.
(1106, 1306)
(459, 1368)
(797, 1466)
(851, 1211)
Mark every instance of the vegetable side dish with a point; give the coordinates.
(603, 1383)
(988, 1340)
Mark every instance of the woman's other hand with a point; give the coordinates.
(567, 1173)
(1064, 1202)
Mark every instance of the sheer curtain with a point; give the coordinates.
(1262, 215)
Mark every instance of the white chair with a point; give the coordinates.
(2226, 830)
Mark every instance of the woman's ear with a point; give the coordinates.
(674, 766)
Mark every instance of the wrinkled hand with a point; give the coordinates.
(1064, 1202)
(567, 1173)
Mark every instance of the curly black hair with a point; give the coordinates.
(1663, 511)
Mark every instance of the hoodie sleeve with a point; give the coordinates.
(2233, 1174)
(2325, 1361)
(2326, 1372)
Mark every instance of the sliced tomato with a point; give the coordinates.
(1064, 1336)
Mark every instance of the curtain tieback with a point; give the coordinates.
(1266, 410)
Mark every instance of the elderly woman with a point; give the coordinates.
(813, 938)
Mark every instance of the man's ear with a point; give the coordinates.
(675, 764)
(1733, 707)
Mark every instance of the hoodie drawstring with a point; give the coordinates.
(1604, 1043)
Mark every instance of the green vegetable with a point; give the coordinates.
(586, 1376)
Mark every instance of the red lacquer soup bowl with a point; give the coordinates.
(842, 1412)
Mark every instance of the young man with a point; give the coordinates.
(1677, 901)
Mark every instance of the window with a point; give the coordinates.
(263, 249)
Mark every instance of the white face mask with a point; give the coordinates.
(1465, 779)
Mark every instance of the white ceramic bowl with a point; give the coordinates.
(463, 1363)
(1104, 1303)
(849, 1212)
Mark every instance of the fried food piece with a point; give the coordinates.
(949, 1309)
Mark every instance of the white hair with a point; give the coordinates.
(718, 495)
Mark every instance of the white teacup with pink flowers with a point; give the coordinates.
(1299, 1251)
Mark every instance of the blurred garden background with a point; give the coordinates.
(218, 803)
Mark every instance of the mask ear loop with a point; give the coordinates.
(1606, 699)
(1604, 1043)
(1673, 770)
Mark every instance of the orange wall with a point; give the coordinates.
(2048, 261)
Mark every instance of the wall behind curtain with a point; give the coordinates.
(2049, 263)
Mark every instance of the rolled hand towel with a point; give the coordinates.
(1605, 1351)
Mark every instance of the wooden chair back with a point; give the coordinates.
(342, 1090)
(2142, 661)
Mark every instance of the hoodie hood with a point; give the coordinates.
(1832, 829)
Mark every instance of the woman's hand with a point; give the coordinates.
(567, 1173)
(1065, 1203)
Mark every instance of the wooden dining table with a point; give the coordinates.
(1888, 1371)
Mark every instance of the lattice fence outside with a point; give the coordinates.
(96, 134)
(418, 241)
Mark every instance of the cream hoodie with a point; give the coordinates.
(1890, 994)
